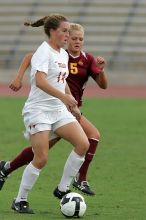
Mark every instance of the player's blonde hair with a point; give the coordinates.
(76, 27)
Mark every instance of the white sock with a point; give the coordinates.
(71, 168)
(29, 178)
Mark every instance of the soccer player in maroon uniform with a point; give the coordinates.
(82, 65)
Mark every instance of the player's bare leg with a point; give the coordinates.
(93, 135)
(39, 141)
(24, 158)
(80, 142)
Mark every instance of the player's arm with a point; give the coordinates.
(43, 84)
(67, 89)
(75, 110)
(101, 78)
(16, 84)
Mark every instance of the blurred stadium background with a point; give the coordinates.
(114, 29)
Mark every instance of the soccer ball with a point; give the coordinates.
(73, 205)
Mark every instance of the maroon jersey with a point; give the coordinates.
(80, 69)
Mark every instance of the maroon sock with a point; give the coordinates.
(25, 157)
(88, 158)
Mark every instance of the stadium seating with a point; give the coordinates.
(114, 29)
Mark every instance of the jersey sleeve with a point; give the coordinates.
(40, 60)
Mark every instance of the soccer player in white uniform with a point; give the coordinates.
(47, 110)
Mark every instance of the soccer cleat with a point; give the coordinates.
(21, 207)
(59, 194)
(83, 187)
(3, 174)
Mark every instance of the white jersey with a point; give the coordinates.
(55, 65)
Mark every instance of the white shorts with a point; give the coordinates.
(37, 121)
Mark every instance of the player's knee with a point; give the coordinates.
(94, 135)
(82, 147)
(41, 161)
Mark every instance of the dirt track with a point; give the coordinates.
(90, 91)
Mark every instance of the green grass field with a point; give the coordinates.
(117, 174)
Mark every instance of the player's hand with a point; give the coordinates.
(69, 101)
(15, 85)
(100, 62)
(76, 112)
